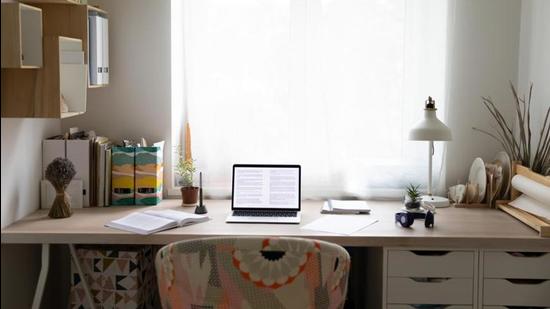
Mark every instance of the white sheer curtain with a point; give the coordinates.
(332, 85)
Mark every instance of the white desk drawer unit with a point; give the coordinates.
(500, 264)
(435, 307)
(433, 291)
(508, 293)
(435, 264)
(420, 278)
(516, 279)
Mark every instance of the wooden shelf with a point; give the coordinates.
(69, 20)
(21, 36)
(38, 93)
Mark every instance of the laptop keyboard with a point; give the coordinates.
(271, 213)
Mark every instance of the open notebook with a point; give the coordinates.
(152, 221)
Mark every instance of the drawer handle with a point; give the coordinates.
(526, 254)
(526, 281)
(430, 252)
(429, 280)
(429, 306)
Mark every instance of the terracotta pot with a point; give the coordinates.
(189, 196)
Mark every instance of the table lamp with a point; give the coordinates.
(431, 129)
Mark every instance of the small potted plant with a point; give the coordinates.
(185, 169)
(412, 200)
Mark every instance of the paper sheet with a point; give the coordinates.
(532, 189)
(340, 224)
(531, 205)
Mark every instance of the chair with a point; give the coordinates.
(252, 272)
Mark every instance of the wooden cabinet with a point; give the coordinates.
(21, 36)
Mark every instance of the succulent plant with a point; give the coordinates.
(413, 193)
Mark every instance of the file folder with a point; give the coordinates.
(122, 175)
(148, 173)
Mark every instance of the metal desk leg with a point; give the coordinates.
(81, 274)
(39, 291)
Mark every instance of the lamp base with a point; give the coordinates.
(436, 201)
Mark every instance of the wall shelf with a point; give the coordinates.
(21, 36)
(39, 93)
(70, 20)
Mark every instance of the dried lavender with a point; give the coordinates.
(60, 172)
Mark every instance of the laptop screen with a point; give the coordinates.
(266, 187)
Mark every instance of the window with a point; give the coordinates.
(332, 85)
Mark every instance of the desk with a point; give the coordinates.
(454, 228)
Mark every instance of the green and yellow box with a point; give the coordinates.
(123, 176)
(148, 175)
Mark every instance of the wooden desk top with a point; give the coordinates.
(454, 228)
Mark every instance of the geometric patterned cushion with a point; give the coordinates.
(252, 272)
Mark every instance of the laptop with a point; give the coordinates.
(263, 193)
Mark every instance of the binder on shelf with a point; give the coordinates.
(122, 175)
(148, 175)
(105, 50)
(95, 34)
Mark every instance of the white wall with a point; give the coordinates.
(483, 58)
(534, 59)
(21, 174)
(137, 101)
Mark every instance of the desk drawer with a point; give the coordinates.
(432, 263)
(453, 291)
(513, 307)
(511, 293)
(515, 266)
(392, 306)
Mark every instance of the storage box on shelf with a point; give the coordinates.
(21, 36)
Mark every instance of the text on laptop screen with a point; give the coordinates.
(266, 187)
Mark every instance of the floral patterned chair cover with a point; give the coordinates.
(252, 272)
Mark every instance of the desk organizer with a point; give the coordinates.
(148, 175)
(136, 175)
(122, 176)
(539, 224)
(118, 277)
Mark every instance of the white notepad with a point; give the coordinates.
(345, 207)
(152, 221)
(340, 224)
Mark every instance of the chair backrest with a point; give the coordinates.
(252, 272)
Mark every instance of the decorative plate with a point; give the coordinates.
(478, 177)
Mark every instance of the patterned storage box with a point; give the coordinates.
(118, 277)
(148, 175)
(122, 176)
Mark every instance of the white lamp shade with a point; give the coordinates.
(430, 128)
